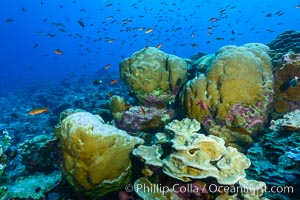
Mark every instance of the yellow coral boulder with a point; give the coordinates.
(235, 90)
(95, 155)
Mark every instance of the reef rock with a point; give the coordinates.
(96, 155)
(287, 95)
(235, 91)
(154, 76)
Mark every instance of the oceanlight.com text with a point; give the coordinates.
(211, 188)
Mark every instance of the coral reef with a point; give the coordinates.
(286, 95)
(275, 158)
(140, 118)
(235, 92)
(150, 154)
(32, 187)
(290, 122)
(154, 76)
(192, 159)
(96, 155)
(40, 154)
(284, 43)
(5, 142)
(234, 139)
(197, 156)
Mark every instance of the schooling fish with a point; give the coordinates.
(114, 81)
(149, 30)
(107, 66)
(290, 83)
(97, 82)
(38, 111)
(58, 51)
(81, 24)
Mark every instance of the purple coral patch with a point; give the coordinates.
(139, 118)
(253, 119)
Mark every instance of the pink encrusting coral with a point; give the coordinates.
(154, 100)
(247, 117)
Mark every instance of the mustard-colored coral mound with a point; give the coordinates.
(96, 155)
(154, 76)
(235, 91)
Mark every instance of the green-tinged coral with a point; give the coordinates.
(154, 76)
(116, 104)
(96, 155)
(165, 118)
(31, 187)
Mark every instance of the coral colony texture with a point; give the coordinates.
(226, 120)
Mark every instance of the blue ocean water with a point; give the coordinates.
(31, 31)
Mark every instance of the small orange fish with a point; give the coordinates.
(38, 111)
(114, 81)
(149, 30)
(201, 104)
(159, 46)
(142, 110)
(58, 51)
(129, 60)
(107, 66)
(127, 106)
(110, 94)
